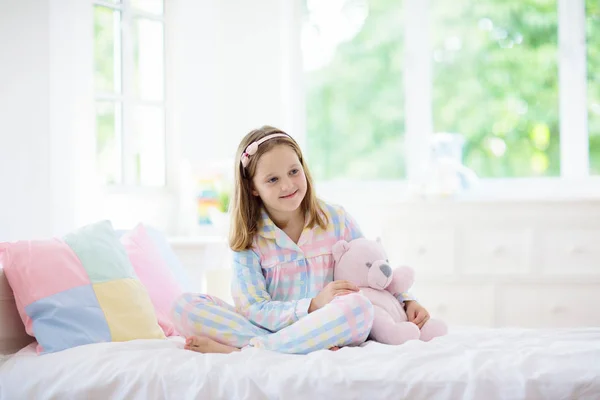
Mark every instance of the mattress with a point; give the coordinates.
(467, 364)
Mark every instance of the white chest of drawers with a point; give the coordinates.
(528, 264)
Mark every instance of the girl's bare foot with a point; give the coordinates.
(334, 348)
(203, 344)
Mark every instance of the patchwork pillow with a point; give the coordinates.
(155, 274)
(78, 290)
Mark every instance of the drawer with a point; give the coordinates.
(549, 305)
(429, 252)
(569, 251)
(458, 305)
(498, 251)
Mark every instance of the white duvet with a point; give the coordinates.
(468, 364)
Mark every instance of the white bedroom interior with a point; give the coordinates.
(114, 110)
(464, 134)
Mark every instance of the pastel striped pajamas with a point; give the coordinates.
(273, 284)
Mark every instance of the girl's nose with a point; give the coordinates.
(285, 184)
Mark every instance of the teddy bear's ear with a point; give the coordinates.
(339, 249)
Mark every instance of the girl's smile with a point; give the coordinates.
(289, 196)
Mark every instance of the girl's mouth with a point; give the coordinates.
(289, 196)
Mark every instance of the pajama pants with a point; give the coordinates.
(346, 320)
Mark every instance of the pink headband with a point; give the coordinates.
(253, 147)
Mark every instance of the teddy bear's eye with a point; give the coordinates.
(369, 265)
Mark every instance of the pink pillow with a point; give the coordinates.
(154, 273)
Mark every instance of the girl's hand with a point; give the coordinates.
(332, 290)
(416, 313)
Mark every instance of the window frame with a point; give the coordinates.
(574, 181)
(128, 100)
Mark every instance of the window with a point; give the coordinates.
(495, 82)
(355, 103)
(508, 76)
(129, 60)
(593, 72)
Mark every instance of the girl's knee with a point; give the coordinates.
(185, 298)
(180, 303)
(358, 300)
(360, 306)
(358, 314)
(187, 302)
(195, 298)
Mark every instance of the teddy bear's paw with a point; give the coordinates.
(432, 329)
(397, 333)
(406, 331)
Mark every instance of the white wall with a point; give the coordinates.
(230, 61)
(25, 197)
(44, 117)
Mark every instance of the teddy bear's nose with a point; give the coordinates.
(387, 271)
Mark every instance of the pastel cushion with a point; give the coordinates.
(79, 290)
(163, 246)
(154, 273)
(171, 259)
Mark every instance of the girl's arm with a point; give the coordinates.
(252, 299)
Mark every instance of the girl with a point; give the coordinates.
(282, 237)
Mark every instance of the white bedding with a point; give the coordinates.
(468, 364)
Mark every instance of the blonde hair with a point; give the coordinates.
(246, 208)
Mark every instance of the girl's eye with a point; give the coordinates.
(294, 171)
(369, 265)
(272, 180)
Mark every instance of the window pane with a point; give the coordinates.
(150, 6)
(495, 81)
(593, 67)
(149, 148)
(107, 49)
(149, 59)
(108, 141)
(352, 53)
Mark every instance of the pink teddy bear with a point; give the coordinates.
(364, 263)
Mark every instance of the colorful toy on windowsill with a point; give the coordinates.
(207, 198)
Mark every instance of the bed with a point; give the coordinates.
(467, 364)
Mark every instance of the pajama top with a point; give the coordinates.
(274, 281)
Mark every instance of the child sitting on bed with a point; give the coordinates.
(282, 237)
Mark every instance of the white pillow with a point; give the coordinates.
(12, 330)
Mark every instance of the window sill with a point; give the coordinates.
(485, 190)
(200, 240)
(137, 190)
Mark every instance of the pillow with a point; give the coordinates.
(155, 274)
(78, 290)
(168, 256)
(12, 331)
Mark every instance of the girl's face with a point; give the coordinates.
(279, 180)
